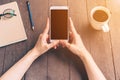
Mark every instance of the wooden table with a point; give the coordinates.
(60, 64)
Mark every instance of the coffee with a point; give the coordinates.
(100, 15)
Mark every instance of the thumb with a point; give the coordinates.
(54, 43)
(68, 45)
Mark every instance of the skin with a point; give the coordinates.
(75, 45)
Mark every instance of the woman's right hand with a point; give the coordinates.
(77, 47)
(75, 43)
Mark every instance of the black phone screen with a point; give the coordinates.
(59, 24)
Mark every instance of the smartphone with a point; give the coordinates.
(59, 23)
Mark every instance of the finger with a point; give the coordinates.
(71, 37)
(54, 43)
(61, 43)
(66, 44)
(45, 37)
(47, 27)
(48, 39)
(72, 28)
(55, 47)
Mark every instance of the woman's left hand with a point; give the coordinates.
(42, 44)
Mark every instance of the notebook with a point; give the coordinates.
(12, 29)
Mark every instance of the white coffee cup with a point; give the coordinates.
(99, 18)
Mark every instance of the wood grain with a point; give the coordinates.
(114, 23)
(39, 9)
(78, 14)
(13, 52)
(61, 64)
(100, 45)
(58, 65)
(22, 48)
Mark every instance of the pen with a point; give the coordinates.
(30, 15)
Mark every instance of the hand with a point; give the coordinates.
(42, 44)
(75, 44)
